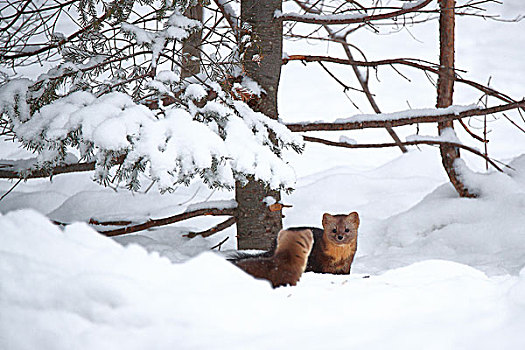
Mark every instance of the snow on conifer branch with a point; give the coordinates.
(93, 104)
(218, 142)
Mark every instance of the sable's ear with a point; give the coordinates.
(327, 218)
(353, 217)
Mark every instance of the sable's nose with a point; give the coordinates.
(340, 237)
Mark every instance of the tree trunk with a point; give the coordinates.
(191, 54)
(445, 90)
(257, 226)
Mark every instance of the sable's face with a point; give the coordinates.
(341, 229)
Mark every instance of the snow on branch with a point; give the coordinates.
(215, 208)
(351, 18)
(178, 28)
(220, 142)
(408, 117)
(13, 170)
(169, 220)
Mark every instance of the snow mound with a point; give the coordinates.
(75, 289)
(486, 232)
(80, 290)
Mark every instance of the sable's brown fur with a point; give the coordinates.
(287, 263)
(333, 252)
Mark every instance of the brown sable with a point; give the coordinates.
(288, 261)
(335, 245)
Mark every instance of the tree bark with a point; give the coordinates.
(445, 90)
(191, 54)
(257, 226)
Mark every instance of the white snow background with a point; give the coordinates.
(432, 271)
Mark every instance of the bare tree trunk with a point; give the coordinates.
(191, 54)
(445, 90)
(257, 226)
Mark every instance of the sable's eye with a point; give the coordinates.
(334, 230)
(347, 230)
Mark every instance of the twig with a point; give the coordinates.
(79, 32)
(407, 62)
(12, 188)
(362, 81)
(109, 223)
(231, 21)
(387, 62)
(471, 133)
(222, 226)
(345, 87)
(219, 245)
(408, 143)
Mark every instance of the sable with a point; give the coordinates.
(333, 250)
(288, 261)
(335, 245)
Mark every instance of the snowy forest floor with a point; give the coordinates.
(432, 270)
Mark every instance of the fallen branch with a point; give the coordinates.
(169, 220)
(222, 226)
(407, 143)
(377, 123)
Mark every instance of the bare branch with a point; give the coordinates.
(407, 62)
(11, 189)
(219, 245)
(403, 61)
(345, 19)
(408, 143)
(298, 127)
(222, 226)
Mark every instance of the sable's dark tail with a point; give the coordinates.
(287, 263)
(295, 245)
(239, 256)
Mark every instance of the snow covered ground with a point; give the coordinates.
(432, 271)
